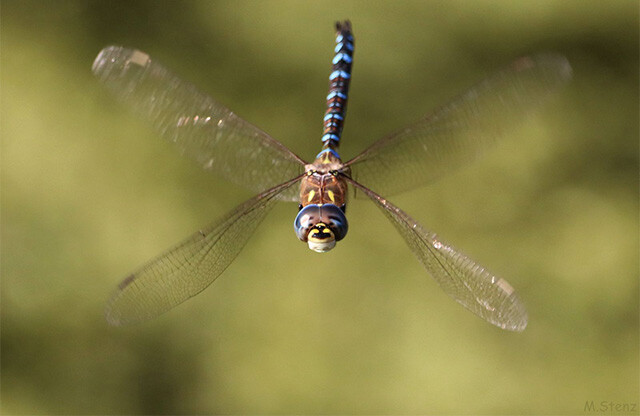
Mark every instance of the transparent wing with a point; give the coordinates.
(490, 297)
(187, 269)
(201, 127)
(459, 132)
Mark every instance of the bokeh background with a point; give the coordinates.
(89, 192)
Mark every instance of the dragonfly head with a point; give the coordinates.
(321, 226)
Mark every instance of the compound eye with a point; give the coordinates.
(306, 219)
(336, 220)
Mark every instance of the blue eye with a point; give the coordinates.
(336, 220)
(305, 220)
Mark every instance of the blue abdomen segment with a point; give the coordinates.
(338, 87)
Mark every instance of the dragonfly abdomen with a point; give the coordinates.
(338, 89)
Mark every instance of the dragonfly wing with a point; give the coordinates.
(187, 269)
(490, 297)
(201, 127)
(459, 132)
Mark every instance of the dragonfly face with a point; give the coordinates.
(216, 138)
(321, 226)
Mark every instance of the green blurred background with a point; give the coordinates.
(89, 192)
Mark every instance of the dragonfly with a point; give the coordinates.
(220, 141)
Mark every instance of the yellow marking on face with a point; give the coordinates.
(331, 196)
(313, 234)
(311, 195)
